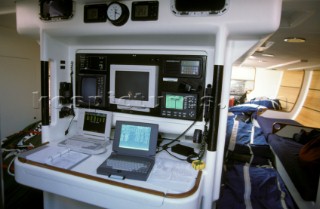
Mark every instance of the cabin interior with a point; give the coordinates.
(260, 139)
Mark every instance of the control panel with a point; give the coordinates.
(173, 84)
(91, 80)
(179, 105)
(91, 62)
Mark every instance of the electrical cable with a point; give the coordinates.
(175, 156)
(166, 146)
(67, 130)
(183, 133)
(203, 143)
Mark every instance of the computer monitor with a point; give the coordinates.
(134, 87)
(94, 123)
(135, 138)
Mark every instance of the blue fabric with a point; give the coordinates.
(246, 108)
(244, 131)
(260, 187)
(243, 145)
(273, 104)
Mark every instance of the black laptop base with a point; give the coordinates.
(103, 169)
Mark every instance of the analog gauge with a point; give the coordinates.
(117, 13)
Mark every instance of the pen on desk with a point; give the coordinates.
(30, 147)
(57, 155)
(43, 144)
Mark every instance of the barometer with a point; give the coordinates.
(117, 13)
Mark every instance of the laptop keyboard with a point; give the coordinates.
(79, 144)
(90, 146)
(127, 164)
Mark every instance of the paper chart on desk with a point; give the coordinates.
(174, 175)
(61, 157)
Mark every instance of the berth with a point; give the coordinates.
(252, 186)
(267, 123)
(250, 178)
(259, 140)
(244, 135)
(297, 156)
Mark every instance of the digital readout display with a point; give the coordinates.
(174, 102)
(92, 13)
(141, 11)
(94, 122)
(189, 67)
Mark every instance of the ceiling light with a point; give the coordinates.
(267, 55)
(306, 68)
(294, 40)
(265, 46)
(285, 64)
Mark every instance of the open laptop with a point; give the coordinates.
(134, 150)
(93, 132)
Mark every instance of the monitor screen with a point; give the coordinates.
(94, 122)
(88, 89)
(91, 90)
(135, 137)
(134, 87)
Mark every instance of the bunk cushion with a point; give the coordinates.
(255, 187)
(305, 178)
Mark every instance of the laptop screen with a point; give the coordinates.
(96, 123)
(135, 138)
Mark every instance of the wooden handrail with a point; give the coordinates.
(118, 184)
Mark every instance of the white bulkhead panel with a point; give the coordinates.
(222, 38)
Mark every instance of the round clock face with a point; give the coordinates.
(118, 13)
(114, 11)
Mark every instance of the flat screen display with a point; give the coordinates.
(135, 137)
(94, 122)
